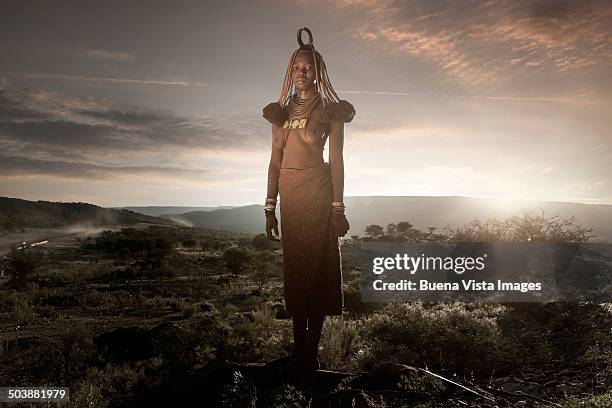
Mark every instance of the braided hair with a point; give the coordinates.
(323, 84)
(336, 108)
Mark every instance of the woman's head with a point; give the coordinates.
(303, 74)
(307, 69)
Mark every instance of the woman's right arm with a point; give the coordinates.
(276, 160)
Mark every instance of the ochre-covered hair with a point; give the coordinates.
(323, 84)
(336, 108)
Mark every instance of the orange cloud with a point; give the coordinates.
(482, 43)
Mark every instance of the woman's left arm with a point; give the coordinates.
(339, 223)
(336, 159)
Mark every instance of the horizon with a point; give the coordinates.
(484, 198)
(471, 99)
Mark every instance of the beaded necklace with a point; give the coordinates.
(299, 111)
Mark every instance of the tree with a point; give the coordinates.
(189, 243)
(261, 242)
(21, 266)
(157, 257)
(236, 259)
(391, 228)
(527, 227)
(261, 265)
(374, 230)
(213, 244)
(403, 227)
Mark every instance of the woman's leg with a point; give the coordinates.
(289, 362)
(299, 334)
(311, 348)
(315, 326)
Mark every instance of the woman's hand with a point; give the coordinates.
(339, 224)
(272, 226)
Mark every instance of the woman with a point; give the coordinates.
(307, 114)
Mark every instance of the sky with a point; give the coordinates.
(121, 103)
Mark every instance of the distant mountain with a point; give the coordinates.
(156, 211)
(17, 213)
(248, 218)
(422, 212)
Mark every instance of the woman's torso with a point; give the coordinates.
(303, 148)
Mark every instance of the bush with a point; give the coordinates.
(21, 266)
(597, 401)
(288, 396)
(527, 227)
(421, 384)
(77, 352)
(22, 312)
(454, 337)
(264, 316)
(339, 343)
(236, 259)
(189, 311)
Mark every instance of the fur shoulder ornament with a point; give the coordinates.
(340, 111)
(275, 114)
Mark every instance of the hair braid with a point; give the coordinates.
(323, 85)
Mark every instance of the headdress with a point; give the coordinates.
(336, 108)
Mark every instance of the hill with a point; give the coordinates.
(422, 212)
(16, 213)
(156, 211)
(248, 218)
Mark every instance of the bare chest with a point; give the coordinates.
(310, 131)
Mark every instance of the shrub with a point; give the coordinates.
(339, 343)
(287, 396)
(189, 311)
(454, 337)
(236, 259)
(261, 263)
(78, 349)
(21, 265)
(523, 228)
(421, 384)
(597, 401)
(22, 312)
(264, 316)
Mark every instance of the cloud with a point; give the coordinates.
(21, 167)
(97, 126)
(121, 81)
(584, 100)
(108, 55)
(44, 133)
(476, 42)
